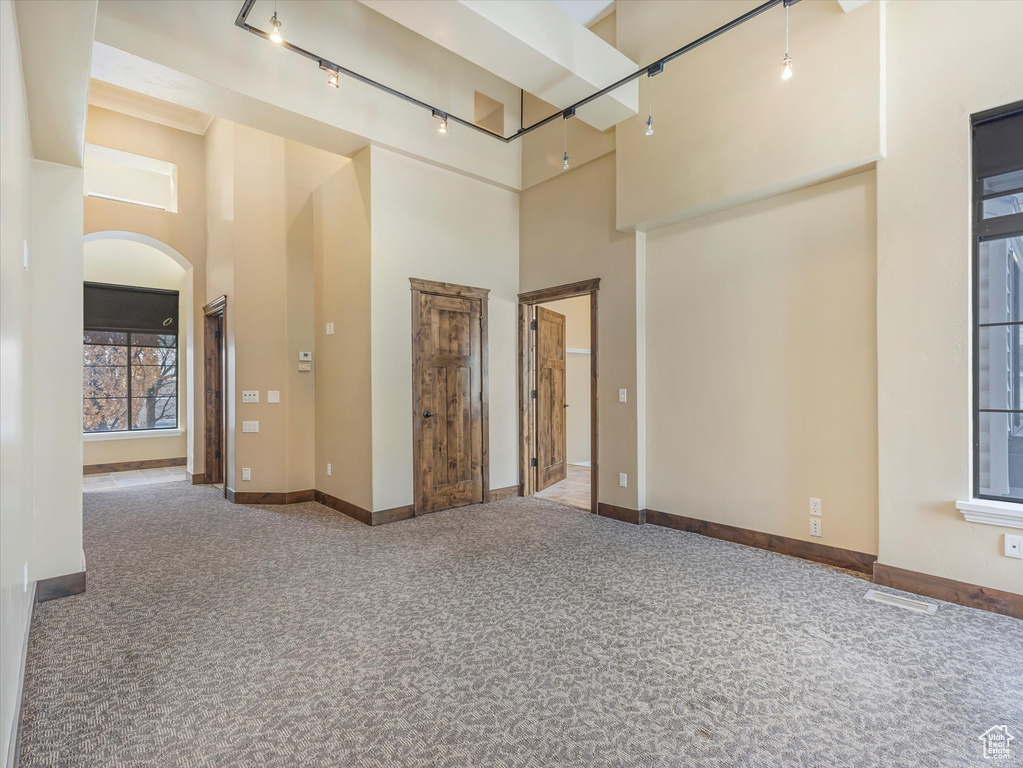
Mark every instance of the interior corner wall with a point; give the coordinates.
(761, 365)
(435, 224)
(17, 506)
(184, 231)
(567, 234)
(924, 279)
(341, 248)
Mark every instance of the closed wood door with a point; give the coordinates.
(214, 379)
(551, 435)
(450, 400)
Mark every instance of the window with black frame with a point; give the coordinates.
(998, 303)
(130, 359)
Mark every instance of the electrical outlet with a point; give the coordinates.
(246, 473)
(250, 396)
(815, 507)
(330, 329)
(815, 526)
(623, 480)
(623, 396)
(328, 470)
(250, 426)
(1014, 546)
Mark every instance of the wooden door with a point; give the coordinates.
(448, 392)
(215, 379)
(551, 435)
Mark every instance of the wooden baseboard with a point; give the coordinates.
(125, 466)
(199, 478)
(807, 550)
(269, 497)
(970, 595)
(364, 516)
(623, 514)
(393, 515)
(60, 586)
(500, 494)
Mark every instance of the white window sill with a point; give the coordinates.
(991, 512)
(136, 434)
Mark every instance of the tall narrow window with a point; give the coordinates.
(998, 303)
(130, 351)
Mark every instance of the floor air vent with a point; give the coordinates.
(917, 606)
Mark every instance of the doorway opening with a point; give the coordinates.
(558, 452)
(215, 385)
(450, 403)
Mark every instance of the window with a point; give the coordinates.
(127, 178)
(998, 304)
(130, 355)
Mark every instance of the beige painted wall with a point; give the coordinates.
(923, 291)
(577, 375)
(567, 233)
(727, 129)
(184, 231)
(17, 517)
(125, 262)
(344, 428)
(761, 365)
(434, 224)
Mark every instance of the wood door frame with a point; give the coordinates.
(216, 308)
(419, 287)
(527, 378)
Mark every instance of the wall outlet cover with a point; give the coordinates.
(246, 473)
(273, 395)
(1014, 546)
(623, 396)
(250, 395)
(250, 426)
(328, 470)
(815, 507)
(623, 480)
(330, 329)
(815, 526)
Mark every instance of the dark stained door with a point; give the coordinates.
(551, 436)
(450, 384)
(214, 376)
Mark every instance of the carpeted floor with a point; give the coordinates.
(520, 633)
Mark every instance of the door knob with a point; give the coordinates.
(566, 405)
(427, 414)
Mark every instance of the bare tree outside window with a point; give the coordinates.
(129, 381)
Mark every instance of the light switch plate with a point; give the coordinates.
(623, 480)
(250, 396)
(330, 329)
(273, 395)
(328, 470)
(250, 426)
(305, 366)
(246, 473)
(305, 356)
(623, 396)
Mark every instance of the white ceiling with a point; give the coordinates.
(586, 12)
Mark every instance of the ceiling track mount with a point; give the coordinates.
(654, 68)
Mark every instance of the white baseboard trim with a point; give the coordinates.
(14, 745)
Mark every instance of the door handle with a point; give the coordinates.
(427, 414)
(566, 405)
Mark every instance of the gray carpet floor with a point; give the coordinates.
(519, 633)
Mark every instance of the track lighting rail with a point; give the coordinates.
(650, 70)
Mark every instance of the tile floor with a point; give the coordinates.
(113, 480)
(574, 490)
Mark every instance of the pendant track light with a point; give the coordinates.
(443, 127)
(275, 27)
(333, 75)
(570, 112)
(786, 63)
(653, 69)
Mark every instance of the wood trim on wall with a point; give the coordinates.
(807, 550)
(970, 595)
(380, 517)
(527, 378)
(197, 478)
(215, 471)
(420, 286)
(269, 497)
(125, 466)
(508, 492)
(622, 514)
(60, 586)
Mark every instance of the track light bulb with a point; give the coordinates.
(334, 79)
(564, 165)
(443, 128)
(275, 31)
(786, 67)
(650, 126)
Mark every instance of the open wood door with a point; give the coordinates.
(551, 434)
(448, 397)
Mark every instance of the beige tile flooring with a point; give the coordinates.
(574, 490)
(113, 480)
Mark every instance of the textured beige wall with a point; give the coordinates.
(17, 518)
(727, 129)
(761, 365)
(184, 231)
(124, 262)
(434, 224)
(577, 375)
(923, 290)
(567, 233)
(342, 296)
